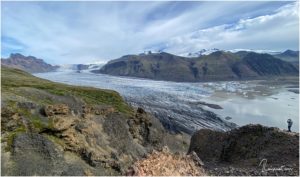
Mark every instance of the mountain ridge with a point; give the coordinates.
(30, 64)
(217, 66)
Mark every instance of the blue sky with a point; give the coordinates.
(83, 32)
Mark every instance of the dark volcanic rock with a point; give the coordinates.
(203, 141)
(246, 147)
(34, 154)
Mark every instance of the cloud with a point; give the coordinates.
(277, 31)
(81, 32)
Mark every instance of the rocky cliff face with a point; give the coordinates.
(55, 129)
(248, 150)
(28, 64)
(215, 66)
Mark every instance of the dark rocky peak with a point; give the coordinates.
(16, 55)
(291, 53)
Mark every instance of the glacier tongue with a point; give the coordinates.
(175, 104)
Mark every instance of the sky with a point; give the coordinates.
(88, 32)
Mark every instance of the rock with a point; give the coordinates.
(87, 172)
(120, 138)
(61, 123)
(89, 111)
(10, 120)
(103, 110)
(228, 118)
(34, 154)
(196, 158)
(27, 105)
(140, 110)
(58, 109)
(206, 143)
(245, 147)
(86, 111)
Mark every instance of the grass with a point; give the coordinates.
(56, 140)
(11, 136)
(38, 124)
(15, 78)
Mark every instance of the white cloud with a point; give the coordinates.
(81, 32)
(277, 31)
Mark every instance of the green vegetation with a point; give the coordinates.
(12, 135)
(12, 79)
(217, 66)
(19, 86)
(55, 140)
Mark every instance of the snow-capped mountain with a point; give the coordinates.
(209, 51)
(200, 52)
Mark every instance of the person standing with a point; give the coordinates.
(290, 123)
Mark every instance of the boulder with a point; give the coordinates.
(246, 147)
(35, 154)
(57, 109)
(61, 123)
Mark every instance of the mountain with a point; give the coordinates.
(289, 55)
(201, 52)
(271, 52)
(30, 64)
(49, 128)
(216, 66)
(159, 66)
(209, 51)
